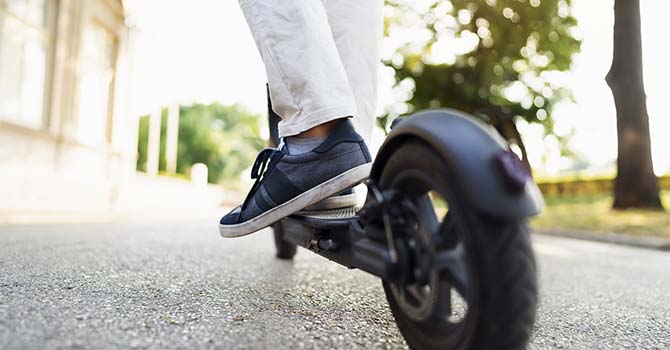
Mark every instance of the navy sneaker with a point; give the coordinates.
(286, 183)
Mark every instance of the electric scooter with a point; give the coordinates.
(444, 226)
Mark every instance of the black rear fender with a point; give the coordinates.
(487, 170)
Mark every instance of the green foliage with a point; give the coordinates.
(495, 58)
(142, 142)
(225, 138)
(162, 160)
(594, 213)
(581, 186)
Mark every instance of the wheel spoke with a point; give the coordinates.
(426, 213)
(443, 308)
(447, 231)
(415, 292)
(400, 289)
(453, 263)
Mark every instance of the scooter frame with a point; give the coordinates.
(495, 182)
(393, 236)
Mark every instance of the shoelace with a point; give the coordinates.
(262, 165)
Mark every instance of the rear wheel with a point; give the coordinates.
(471, 280)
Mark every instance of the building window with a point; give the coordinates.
(25, 38)
(96, 84)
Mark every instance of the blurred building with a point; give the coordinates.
(67, 139)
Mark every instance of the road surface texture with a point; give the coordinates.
(178, 285)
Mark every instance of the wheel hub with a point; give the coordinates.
(418, 295)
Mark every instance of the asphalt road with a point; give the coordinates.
(178, 285)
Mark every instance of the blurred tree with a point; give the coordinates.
(635, 186)
(496, 59)
(225, 138)
(142, 143)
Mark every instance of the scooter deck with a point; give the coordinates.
(331, 214)
(337, 234)
(331, 220)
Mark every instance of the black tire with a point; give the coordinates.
(501, 293)
(285, 250)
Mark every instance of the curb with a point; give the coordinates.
(656, 243)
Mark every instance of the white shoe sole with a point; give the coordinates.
(334, 202)
(328, 188)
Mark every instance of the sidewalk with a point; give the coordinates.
(656, 243)
(141, 198)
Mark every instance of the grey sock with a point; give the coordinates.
(300, 145)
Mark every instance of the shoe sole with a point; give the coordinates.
(334, 202)
(326, 189)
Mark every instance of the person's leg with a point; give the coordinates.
(357, 27)
(309, 89)
(308, 83)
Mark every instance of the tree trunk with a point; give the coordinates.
(635, 186)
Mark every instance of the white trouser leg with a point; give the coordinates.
(357, 27)
(311, 82)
